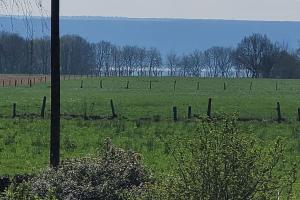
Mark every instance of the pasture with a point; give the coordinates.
(145, 119)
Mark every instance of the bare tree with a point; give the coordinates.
(172, 63)
(257, 54)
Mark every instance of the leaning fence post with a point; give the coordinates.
(209, 108)
(175, 118)
(279, 118)
(43, 107)
(14, 113)
(113, 112)
(190, 112)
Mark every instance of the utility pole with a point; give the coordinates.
(55, 86)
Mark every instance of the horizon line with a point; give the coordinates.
(148, 18)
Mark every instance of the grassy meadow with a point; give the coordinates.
(144, 122)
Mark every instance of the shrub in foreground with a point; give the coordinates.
(114, 174)
(221, 162)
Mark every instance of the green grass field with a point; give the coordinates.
(145, 121)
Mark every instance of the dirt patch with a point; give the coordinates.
(15, 80)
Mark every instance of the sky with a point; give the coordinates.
(273, 10)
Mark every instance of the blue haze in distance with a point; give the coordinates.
(178, 35)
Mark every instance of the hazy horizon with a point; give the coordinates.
(253, 10)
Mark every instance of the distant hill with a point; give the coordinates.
(179, 35)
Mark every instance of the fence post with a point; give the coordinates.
(251, 85)
(14, 113)
(198, 86)
(43, 107)
(175, 118)
(279, 118)
(299, 114)
(209, 107)
(15, 83)
(127, 86)
(175, 85)
(101, 86)
(81, 85)
(3, 83)
(30, 84)
(45, 79)
(113, 112)
(190, 112)
(21, 81)
(150, 85)
(224, 86)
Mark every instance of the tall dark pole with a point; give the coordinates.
(55, 85)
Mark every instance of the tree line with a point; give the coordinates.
(254, 56)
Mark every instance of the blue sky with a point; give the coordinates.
(281, 10)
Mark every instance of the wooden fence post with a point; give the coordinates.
(43, 107)
(251, 85)
(15, 83)
(21, 81)
(45, 79)
(198, 86)
(113, 112)
(150, 85)
(127, 86)
(190, 112)
(209, 107)
(175, 118)
(224, 86)
(14, 113)
(279, 117)
(3, 83)
(175, 82)
(81, 85)
(101, 86)
(30, 84)
(299, 114)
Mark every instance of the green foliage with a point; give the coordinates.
(114, 174)
(221, 162)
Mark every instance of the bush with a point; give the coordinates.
(114, 174)
(223, 163)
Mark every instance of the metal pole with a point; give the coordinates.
(55, 86)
